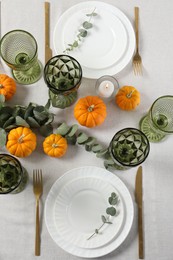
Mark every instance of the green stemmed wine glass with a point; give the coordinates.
(13, 177)
(63, 75)
(159, 121)
(18, 49)
(128, 148)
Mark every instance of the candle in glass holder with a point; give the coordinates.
(106, 87)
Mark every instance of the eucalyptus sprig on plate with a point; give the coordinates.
(82, 32)
(111, 211)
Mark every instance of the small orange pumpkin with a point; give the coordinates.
(55, 145)
(127, 98)
(90, 111)
(7, 86)
(21, 141)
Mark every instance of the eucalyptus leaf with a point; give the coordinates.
(3, 137)
(19, 111)
(108, 222)
(39, 116)
(3, 118)
(83, 33)
(82, 137)
(87, 25)
(48, 104)
(8, 128)
(75, 44)
(111, 211)
(102, 153)
(6, 110)
(71, 139)
(29, 111)
(88, 148)
(110, 161)
(113, 201)
(91, 140)
(46, 130)
(49, 119)
(9, 122)
(21, 122)
(73, 130)
(32, 122)
(96, 148)
(114, 195)
(96, 231)
(103, 219)
(63, 129)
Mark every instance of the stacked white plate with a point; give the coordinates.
(74, 207)
(109, 45)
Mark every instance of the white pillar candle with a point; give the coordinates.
(105, 89)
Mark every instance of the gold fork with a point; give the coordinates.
(137, 61)
(38, 190)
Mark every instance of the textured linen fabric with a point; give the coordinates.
(17, 212)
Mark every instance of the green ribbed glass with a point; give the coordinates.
(18, 49)
(13, 177)
(62, 75)
(128, 148)
(159, 121)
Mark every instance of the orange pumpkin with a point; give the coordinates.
(7, 86)
(90, 111)
(55, 145)
(127, 98)
(21, 142)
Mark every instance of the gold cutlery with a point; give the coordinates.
(137, 60)
(48, 51)
(138, 197)
(38, 190)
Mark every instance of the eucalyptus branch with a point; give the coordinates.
(82, 32)
(89, 142)
(111, 211)
(98, 229)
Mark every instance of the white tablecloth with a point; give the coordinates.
(17, 212)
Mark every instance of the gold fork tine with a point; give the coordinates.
(38, 189)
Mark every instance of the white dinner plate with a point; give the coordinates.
(109, 45)
(68, 220)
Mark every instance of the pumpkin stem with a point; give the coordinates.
(1, 86)
(129, 95)
(91, 108)
(54, 145)
(20, 140)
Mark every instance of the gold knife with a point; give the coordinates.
(48, 51)
(138, 197)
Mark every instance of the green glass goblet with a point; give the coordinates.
(63, 75)
(128, 148)
(13, 177)
(159, 121)
(18, 49)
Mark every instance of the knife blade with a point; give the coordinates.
(139, 201)
(48, 51)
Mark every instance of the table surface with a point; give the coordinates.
(17, 212)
